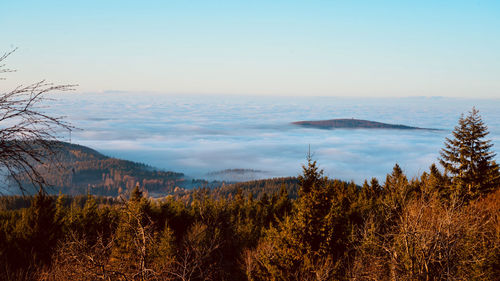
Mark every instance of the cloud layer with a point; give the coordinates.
(199, 135)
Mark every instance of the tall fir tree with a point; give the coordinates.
(468, 159)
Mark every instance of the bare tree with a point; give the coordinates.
(28, 135)
(78, 259)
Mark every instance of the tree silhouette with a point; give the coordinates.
(27, 133)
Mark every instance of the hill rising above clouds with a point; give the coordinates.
(354, 124)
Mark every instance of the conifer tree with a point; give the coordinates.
(134, 236)
(467, 157)
(39, 228)
(311, 176)
(60, 209)
(311, 238)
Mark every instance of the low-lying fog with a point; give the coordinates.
(202, 136)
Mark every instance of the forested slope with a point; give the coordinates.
(81, 169)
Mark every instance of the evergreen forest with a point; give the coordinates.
(442, 225)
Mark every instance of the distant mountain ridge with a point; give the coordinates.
(354, 124)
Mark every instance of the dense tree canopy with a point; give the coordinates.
(402, 229)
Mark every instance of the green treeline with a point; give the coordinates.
(135, 235)
(442, 225)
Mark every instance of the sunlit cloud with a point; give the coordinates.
(198, 136)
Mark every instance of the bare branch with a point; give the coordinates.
(28, 135)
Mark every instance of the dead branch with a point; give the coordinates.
(28, 135)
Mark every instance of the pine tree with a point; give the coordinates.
(312, 242)
(60, 209)
(467, 157)
(134, 236)
(39, 228)
(311, 176)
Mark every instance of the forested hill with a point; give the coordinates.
(78, 170)
(354, 124)
(81, 169)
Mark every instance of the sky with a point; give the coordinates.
(283, 48)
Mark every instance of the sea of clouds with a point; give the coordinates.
(201, 135)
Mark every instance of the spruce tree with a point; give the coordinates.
(39, 229)
(134, 236)
(311, 176)
(468, 159)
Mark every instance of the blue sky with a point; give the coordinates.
(322, 48)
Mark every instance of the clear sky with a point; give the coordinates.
(331, 48)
